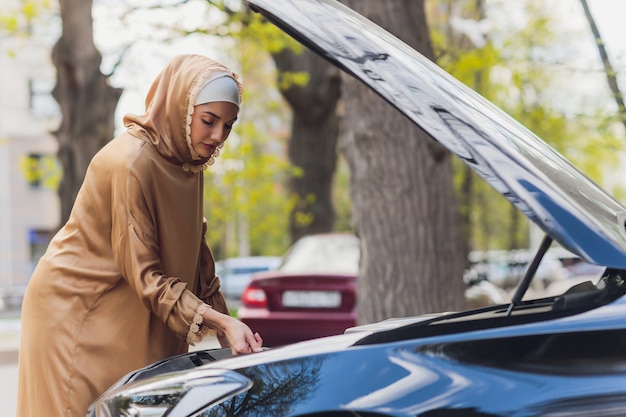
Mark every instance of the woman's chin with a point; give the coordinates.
(204, 153)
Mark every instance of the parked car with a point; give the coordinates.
(562, 355)
(235, 273)
(505, 269)
(312, 294)
(576, 267)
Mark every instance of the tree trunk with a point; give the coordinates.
(404, 204)
(313, 143)
(86, 100)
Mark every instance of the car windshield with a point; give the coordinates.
(326, 253)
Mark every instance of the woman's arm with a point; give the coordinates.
(136, 251)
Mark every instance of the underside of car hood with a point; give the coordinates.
(540, 182)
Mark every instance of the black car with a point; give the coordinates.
(562, 355)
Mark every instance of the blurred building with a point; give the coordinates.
(29, 171)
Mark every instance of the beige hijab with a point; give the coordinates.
(169, 107)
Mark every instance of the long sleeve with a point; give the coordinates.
(209, 285)
(156, 229)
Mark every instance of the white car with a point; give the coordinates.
(235, 273)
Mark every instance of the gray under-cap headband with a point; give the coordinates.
(220, 87)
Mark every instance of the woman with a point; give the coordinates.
(129, 279)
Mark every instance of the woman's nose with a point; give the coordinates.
(218, 134)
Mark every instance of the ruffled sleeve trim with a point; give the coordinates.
(198, 330)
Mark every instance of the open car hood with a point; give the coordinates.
(540, 182)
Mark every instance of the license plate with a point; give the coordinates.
(317, 299)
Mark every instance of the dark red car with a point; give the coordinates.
(312, 293)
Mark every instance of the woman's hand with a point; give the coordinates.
(234, 333)
(241, 339)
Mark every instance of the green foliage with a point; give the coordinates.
(289, 79)
(8, 23)
(301, 216)
(247, 199)
(511, 71)
(41, 171)
(341, 197)
(244, 194)
(269, 37)
(18, 19)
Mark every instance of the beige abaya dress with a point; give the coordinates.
(123, 283)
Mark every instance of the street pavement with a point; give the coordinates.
(9, 338)
(9, 345)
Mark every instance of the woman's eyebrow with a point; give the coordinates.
(216, 116)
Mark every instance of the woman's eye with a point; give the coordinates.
(208, 122)
(229, 127)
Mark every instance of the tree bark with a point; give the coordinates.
(404, 204)
(86, 100)
(313, 143)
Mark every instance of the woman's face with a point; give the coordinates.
(211, 124)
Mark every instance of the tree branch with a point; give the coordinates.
(608, 68)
